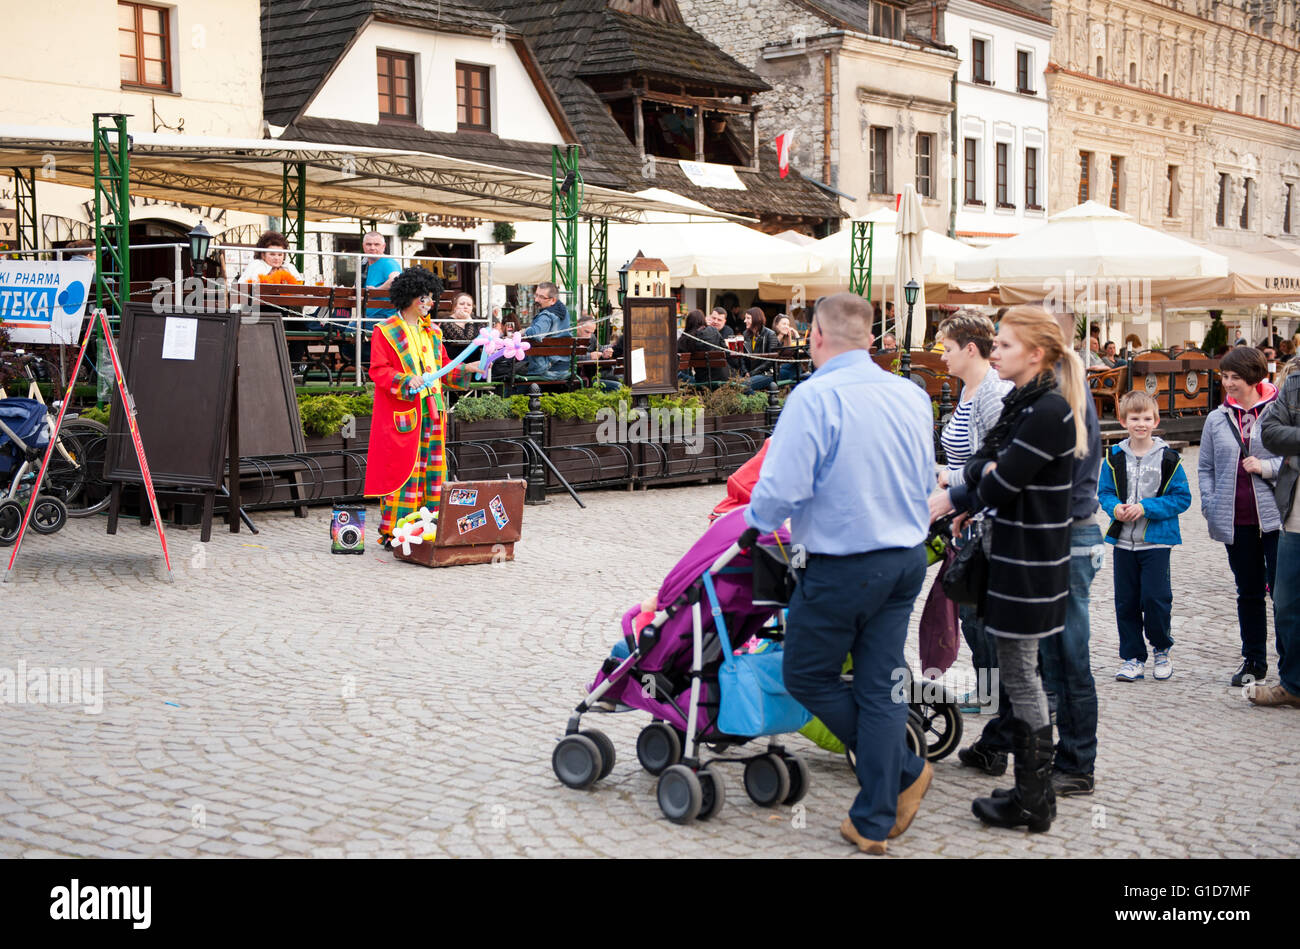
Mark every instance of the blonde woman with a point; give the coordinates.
(1024, 471)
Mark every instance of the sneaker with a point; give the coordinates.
(1072, 783)
(981, 757)
(1163, 667)
(1249, 672)
(969, 704)
(1272, 695)
(1131, 671)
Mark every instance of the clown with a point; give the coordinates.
(406, 463)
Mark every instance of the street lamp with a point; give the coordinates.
(910, 290)
(622, 284)
(200, 244)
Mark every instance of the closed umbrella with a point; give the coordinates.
(911, 236)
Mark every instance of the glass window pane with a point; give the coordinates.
(385, 88)
(399, 67)
(126, 15)
(154, 72)
(126, 43)
(153, 46)
(152, 19)
(128, 69)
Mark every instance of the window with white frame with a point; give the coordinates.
(879, 142)
(971, 172)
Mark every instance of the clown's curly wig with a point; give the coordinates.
(411, 284)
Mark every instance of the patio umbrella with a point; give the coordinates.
(911, 236)
(1091, 252)
(830, 264)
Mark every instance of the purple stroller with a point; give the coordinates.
(707, 608)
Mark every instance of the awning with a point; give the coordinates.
(342, 181)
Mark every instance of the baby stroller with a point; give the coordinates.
(24, 435)
(673, 671)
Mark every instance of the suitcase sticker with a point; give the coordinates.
(463, 497)
(498, 512)
(471, 522)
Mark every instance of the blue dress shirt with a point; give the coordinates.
(851, 461)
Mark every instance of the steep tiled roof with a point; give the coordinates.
(561, 33)
(302, 40)
(626, 44)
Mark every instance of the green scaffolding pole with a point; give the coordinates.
(112, 241)
(293, 202)
(29, 233)
(863, 236)
(566, 199)
(598, 279)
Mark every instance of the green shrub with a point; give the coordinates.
(95, 414)
(1216, 337)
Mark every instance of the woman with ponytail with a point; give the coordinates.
(1023, 475)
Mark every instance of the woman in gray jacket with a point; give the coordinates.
(1235, 474)
(967, 340)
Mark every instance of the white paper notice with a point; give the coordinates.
(179, 336)
(638, 366)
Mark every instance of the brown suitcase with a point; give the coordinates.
(478, 522)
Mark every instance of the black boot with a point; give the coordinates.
(1051, 796)
(984, 758)
(1030, 802)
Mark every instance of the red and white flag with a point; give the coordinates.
(783, 142)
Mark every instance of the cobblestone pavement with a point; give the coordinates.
(279, 701)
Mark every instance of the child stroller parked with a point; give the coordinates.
(24, 436)
(681, 669)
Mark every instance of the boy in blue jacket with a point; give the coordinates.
(1143, 489)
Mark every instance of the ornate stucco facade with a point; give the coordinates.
(1166, 98)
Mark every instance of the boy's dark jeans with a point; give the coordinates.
(1144, 601)
(1253, 558)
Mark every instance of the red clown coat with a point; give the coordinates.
(395, 426)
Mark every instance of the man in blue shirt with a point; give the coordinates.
(850, 463)
(550, 323)
(377, 274)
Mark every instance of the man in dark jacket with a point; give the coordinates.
(1279, 429)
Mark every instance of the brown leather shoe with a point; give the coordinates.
(850, 833)
(1273, 695)
(909, 802)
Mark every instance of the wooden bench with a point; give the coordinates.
(713, 360)
(566, 346)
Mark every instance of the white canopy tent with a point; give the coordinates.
(828, 264)
(700, 250)
(1086, 257)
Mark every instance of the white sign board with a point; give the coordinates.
(705, 175)
(179, 337)
(44, 301)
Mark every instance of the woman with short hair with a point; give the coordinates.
(1237, 501)
(460, 327)
(271, 262)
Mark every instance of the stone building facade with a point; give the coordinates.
(1185, 115)
(847, 78)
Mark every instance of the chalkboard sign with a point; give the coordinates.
(650, 341)
(180, 370)
(269, 423)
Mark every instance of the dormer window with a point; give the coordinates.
(396, 73)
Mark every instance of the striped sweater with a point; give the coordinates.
(1029, 560)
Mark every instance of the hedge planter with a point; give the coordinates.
(477, 451)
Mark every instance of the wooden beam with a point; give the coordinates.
(639, 119)
(753, 157)
(699, 134)
(710, 103)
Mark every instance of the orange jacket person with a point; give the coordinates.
(406, 464)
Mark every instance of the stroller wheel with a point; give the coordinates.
(714, 793)
(49, 515)
(798, 778)
(658, 747)
(767, 780)
(606, 747)
(941, 725)
(576, 761)
(680, 795)
(11, 519)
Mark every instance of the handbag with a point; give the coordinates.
(754, 700)
(774, 576)
(939, 640)
(967, 576)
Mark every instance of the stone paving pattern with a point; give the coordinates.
(355, 706)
